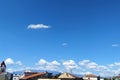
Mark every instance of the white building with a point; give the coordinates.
(18, 75)
(92, 77)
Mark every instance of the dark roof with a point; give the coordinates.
(3, 63)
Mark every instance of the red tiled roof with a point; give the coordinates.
(90, 75)
(33, 75)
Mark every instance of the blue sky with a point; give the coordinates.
(63, 34)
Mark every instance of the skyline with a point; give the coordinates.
(80, 35)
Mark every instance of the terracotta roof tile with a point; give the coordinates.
(90, 75)
(33, 75)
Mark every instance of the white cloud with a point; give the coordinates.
(18, 63)
(42, 62)
(111, 65)
(84, 67)
(52, 68)
(92, 65)
(9, 61)
(70, 64)
(10, 70)
(64, 44)
(55, 63)
(115, 45)
(87, 72)
(84, 62)
(13, 65)
(102, 67)
(38, 26)
(45, 65)
(116, 64)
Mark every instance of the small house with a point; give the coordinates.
(33, 75)
(117, 77)
(90, 77)
(68, 76)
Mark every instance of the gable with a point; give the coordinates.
(66, 75)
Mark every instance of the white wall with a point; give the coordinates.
(15, 78)
(101, 79)
(93, 78)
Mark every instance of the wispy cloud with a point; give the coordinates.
(64, 44)
(38, 26)
(116, 64)
(115, 45)
(19, 63)
(84, 62)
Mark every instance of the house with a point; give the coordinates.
(34, 75)
(17, 75)
(117, 77)
(68, 76)
(92, 77)
(50, 76)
